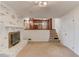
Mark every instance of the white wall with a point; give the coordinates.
(69, 30)
(53, 23)
(8, 23)
(57, 25)
(38, 35)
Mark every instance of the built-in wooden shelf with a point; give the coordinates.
(38, 24)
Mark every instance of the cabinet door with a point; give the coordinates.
(68, 31)
(76, 40)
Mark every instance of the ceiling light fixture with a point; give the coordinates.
(45, 3)
(41, 3)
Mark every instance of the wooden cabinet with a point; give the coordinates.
(38, 24)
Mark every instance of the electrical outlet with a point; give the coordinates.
(29, 39)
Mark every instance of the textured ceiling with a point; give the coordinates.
(54, 8)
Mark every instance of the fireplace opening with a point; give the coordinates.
(14, 38)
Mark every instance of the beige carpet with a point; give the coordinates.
(45, 49)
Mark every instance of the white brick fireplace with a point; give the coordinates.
(4, 45)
